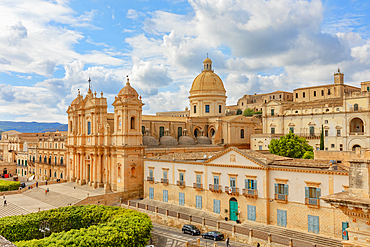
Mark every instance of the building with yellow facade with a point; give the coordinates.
(341, 110)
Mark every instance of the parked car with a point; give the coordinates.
(191, 229)
(215, 235)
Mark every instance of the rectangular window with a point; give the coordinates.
(304, 94)
(328, 91)
(322, 92)
(259, 147)
(279, 97)
(151, 193)
(272, 130)
(281, 218)
(199, 180)
(233, 182)
(296, 95)
(291, 129)
(181, 199)
(272, 112)
(216, 180)
(219, 108)
(195, 109)
(251, 211)
(198, 202)
(181, 176)
(216, 206)
(207, 108)
(165, 174)
(314, 93)
(332, 145)
(251, 184)
(312, 131)
(368, 89)
(338, 132)
(326, 132)
(313, 224)
(61, 160)
(165, 195)
(151, 173)
(89, 128)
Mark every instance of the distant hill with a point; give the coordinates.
(32, 127)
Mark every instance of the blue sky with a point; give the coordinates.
(48, 49)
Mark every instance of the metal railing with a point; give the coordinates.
(313, 201)
(250, 193)
(356, 133)
(215, 188)
(181, 183)
(198, 186)
(281, 197)
(232, 190)
(150, 179)
(164, 180)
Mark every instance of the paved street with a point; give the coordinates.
(173, 237)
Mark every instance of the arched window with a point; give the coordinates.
(242, 133)
(355, 107)
(161, 131)
(56, 145)
(89, 128)
(61, 175)
(143, 130)
(55, 174)
(55, 160)
(45, 159)
(133, 172)
(132, 123)
(179, 132)
(119, 171)
(61, 160)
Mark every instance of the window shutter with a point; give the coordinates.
(214, 205)
(286, 189)
(307, 192)
(246, 183)
(318, 193)
(254, 184)
(276, 189)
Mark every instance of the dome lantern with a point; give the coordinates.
(207, 64)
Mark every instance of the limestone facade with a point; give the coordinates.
(256, 101)
(343, 112)
(261, 188)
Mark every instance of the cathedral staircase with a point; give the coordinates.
(53, 198)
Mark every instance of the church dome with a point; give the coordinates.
(204, 140)
(77, 99)
(207, 82)
(186, 140)
(150, 141)
(168, 141)
(128, 91)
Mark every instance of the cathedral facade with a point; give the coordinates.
(106, 149)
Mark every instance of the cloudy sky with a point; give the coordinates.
(48, 49)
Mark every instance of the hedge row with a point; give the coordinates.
(86, 225)
(9, 185)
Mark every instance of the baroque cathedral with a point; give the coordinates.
(106, 149)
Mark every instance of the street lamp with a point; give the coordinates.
(44, 227)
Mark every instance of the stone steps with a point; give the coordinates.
(11, 209)
(307, 237)
(53, 198)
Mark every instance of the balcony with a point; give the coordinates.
(281, 198)
(314, 202)
(215, 188)
(164, 181)
(356, 133)
(150, 179)
(180, 183)
(232, 190)
(250, 193)
(197, 186)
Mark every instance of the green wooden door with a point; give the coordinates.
(233, 210)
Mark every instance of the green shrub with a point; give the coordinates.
(26, 227)
(9, 185)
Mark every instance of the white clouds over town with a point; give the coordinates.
(256, 46)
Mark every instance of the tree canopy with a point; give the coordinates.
(249, 112)
(290, 145)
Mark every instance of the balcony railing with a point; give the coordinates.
(181, 183)
(150, 179)
(197, 186)
(232, 190)
(313, 202)
(281, 197)
(164, 180)
(356, 133)
(250, 193)
(215, 188)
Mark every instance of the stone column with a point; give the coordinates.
(99, 170)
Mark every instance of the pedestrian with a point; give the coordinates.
(5, 203)
(37, 184)
(227, 242)
(4, 196)
(46, 191)
(258, 245)
(46, 182)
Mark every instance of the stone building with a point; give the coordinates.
(341, 110)
(355, 204)
(256, 101)
(251, 187)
